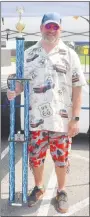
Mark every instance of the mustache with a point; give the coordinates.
(49, 33)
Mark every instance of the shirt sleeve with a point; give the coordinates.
(78, 78)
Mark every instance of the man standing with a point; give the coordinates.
(56, 81)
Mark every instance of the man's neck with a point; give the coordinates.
(48, 46)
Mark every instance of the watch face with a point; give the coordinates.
(77, 118)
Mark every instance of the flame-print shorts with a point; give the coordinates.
(60, 146)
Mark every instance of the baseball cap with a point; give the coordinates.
(51, 18)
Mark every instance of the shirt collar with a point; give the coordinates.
(60, 47)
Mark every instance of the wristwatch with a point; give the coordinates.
(75, 118)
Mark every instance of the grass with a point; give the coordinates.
(13, 59)
(88, 81)
(82, 59)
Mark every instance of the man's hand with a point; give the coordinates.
(18, 90)
(11, 94)
(73, 128)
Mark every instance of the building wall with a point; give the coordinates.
(5, 57)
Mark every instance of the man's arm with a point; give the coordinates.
(76, 101)
(73, 126)
(78, 81)
(18, 88)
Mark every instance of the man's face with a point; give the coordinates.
(50, 32)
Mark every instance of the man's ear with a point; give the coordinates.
(61, 28)
(41, 27)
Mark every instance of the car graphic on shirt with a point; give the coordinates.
(75, 77)
(36, 123)
(33, 58)
(30, 107)
(59, 68)
(42, 89)
(63, 113)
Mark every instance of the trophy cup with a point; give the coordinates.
(20, 25)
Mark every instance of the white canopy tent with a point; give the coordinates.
(73, 29)
(8, 9)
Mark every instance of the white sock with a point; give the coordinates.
(40, 187)
(59, 190)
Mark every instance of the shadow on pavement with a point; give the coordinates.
(80, 142)
(5, 160)
(16, 210)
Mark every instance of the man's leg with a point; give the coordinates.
(38, 175)
(61, 173)
(61, 177)
(60, 148)
(37, 153)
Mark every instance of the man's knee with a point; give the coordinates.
(35, 162)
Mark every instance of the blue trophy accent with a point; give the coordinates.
(12, 148)
(19, 75)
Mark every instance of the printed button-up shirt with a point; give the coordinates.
(52, 76)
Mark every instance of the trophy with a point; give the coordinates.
(20, 25)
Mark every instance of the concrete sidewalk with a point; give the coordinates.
(77, 185)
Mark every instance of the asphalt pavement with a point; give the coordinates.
(77, 183)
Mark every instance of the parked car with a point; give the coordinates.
(84, 115)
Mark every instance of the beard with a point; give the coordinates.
(49, 38)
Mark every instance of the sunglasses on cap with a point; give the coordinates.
(50, 26)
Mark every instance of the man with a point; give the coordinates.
(56, 81)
